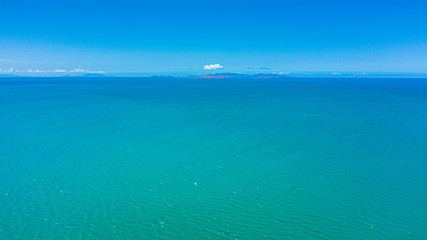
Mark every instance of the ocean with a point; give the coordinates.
(171, 158)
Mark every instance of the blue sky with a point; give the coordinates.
(164, 36)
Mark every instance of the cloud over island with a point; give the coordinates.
(212, 67)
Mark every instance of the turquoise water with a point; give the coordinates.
(134, 158)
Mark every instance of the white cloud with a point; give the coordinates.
(39, 71)
(95, 72)
(6, 70)
(212, 67)
(79, 70)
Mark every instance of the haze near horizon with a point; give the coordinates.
(202, 37)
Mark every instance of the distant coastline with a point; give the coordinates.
(228, 75)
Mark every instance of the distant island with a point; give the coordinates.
(87, 75)
(213, 76)
(239, 75)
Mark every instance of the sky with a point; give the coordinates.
(202, 37)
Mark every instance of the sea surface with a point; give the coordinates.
(164, 158)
